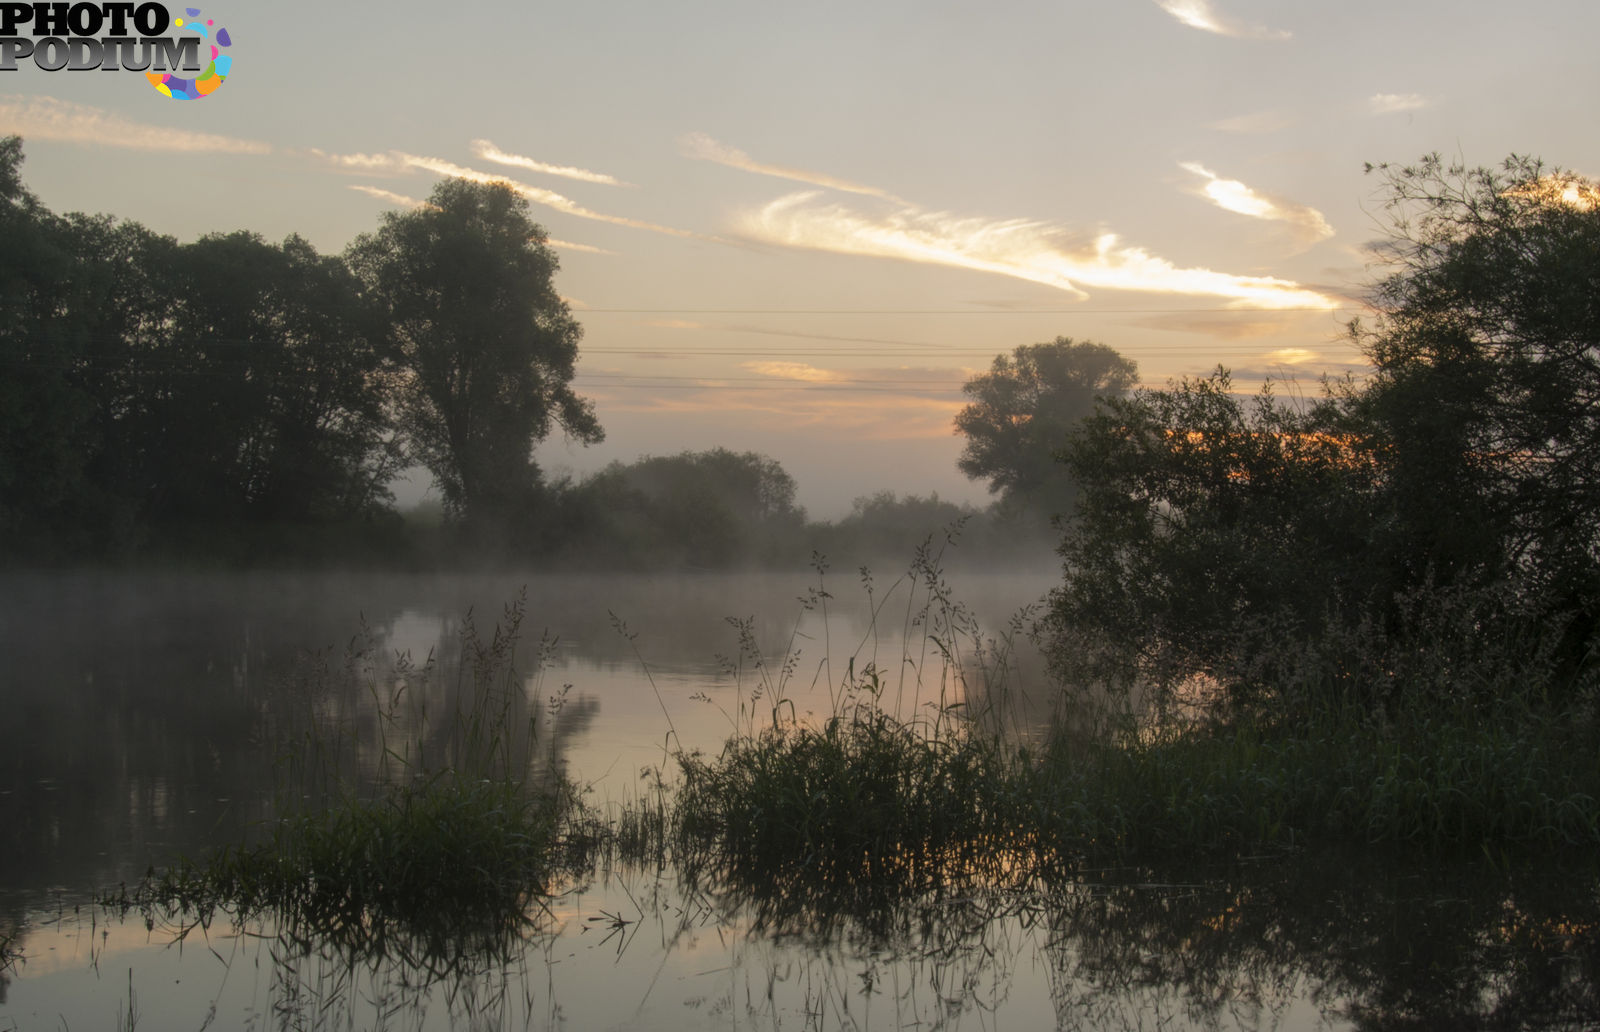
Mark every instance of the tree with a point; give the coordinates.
(707, 509)
(1487, 349)
(1447, 506)
(1208, 526)
(1022, 412)
(486, 345)
(278, 413)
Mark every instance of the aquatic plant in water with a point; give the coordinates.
(439, 836)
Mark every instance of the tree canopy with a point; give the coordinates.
(1022, 411)
(486, 346)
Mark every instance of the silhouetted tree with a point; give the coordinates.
(486, 345)
(1487, 349)
(277, 409)
(1022, 411)
(709, 509)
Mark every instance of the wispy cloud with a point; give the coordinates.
(1024, 249)
(1254, 123)
(397, 162)
(567, 245)
(792, 371)
(1390, 103)
(388, 195)
(1308, 223)
(1221, 325)
(1200, 14)
(489, 152)
(703, 148)
(365, 164)
(854, 414)
(538, 195)
(48, 118)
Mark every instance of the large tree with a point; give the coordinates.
(1022, 411)
(486, 345)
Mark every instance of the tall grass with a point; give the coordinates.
(1432, 736)
(431, 820)
(905, 782)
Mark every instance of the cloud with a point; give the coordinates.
(792, 371)
(1222, 325)
(1390, 103)
(366, 164)
(538, 195)
(1308, 223)
(703, 148)
(1562, 189)
(396, 162)
(860, 414)
(1258, 122)
(1020, 248)
(388, 195)
(1199, 14)
(489, 152)
(47, 118)
(567, 245)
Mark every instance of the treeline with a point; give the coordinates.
(240, 402)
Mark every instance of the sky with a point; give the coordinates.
(799, 228)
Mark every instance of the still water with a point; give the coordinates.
(134, 731)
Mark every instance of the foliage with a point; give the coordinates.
(487, 346)
(1022, 411)
(288, 422)
(155, 389)
(1487, 391)
(1462, 476)
(1207, 526)
(706, 509)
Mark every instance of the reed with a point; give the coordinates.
(441, 834)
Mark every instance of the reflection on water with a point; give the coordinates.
(143, 719)
(1330, 942)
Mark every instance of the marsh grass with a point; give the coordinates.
(905, 782)
(10, 950)
(1433, 738)
(431, 822)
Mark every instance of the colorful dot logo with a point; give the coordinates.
(216, 72)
